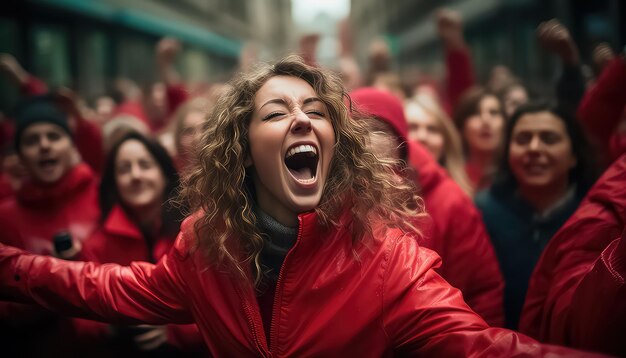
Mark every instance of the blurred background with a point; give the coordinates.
(83, 44)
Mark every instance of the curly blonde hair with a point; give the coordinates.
(218, 187)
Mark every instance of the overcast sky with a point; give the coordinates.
(304, 11)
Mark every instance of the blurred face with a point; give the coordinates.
(291, 146)
(540, 152)
(424, 128)
(139, 178)
(483, 130)
(47, 152)
(514, 98)
(192, 130)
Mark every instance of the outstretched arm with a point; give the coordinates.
(424, 316)
(139, 293)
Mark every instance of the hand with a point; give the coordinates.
(601, 56)
(555, 37)
(10, 66)
(450, 28)
(151, 338)
(166, 51)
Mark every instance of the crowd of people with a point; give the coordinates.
(303, 211)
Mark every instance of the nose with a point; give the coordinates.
(535, 143)
(301, 123)
(421, 135)
(135, 172)
(44, 143)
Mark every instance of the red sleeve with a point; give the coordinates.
(135, 294)
(598, 312)
(575, 297)
(601, 107)
(424, 316)
(33, 86)
(88, 139)
(460, 74)
(176, 95)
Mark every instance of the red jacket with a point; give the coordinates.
(36, 213)
(459, 236)
(119, 241)
(577, 295)
(602, 109)
(328, 303)
(29, 220)
(469, 260)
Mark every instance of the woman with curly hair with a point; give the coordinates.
(300, 244)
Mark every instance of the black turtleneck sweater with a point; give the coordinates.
(277, 241)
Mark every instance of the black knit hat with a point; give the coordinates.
(38, 109)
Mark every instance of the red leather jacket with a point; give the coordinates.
(577, 295)
(387, 302)
(120, 241)
(459, 236)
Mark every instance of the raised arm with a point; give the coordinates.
(555, 37)
(28, 84)
(460, 69)
(167, 50)
(139, 293)
(602, 106)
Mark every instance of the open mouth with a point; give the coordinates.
(47, 164)
(301, 161)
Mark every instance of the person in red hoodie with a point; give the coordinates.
(139, 223)
(301, 244)
(577, 295)
(59, 195)
(469, 261)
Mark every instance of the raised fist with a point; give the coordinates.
(449, 27)
(555, 37)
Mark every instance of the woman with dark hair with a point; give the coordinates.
(140, 223)
(479, 117)
(302, 243)
(543, 176)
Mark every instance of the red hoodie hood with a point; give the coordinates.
(384, 106)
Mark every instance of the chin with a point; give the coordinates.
(301, 205)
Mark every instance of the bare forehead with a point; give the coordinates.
(540, 121)
(132, 148)
(287, 88)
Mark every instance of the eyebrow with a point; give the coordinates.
(283, 102)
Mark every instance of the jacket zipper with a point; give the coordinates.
(279, 292)
(252, 322)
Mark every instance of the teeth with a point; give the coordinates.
(304, 148)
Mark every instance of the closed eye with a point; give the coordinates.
(272, 115)
(317, 113)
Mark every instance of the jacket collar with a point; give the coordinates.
(118, 223)
(74, 181)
